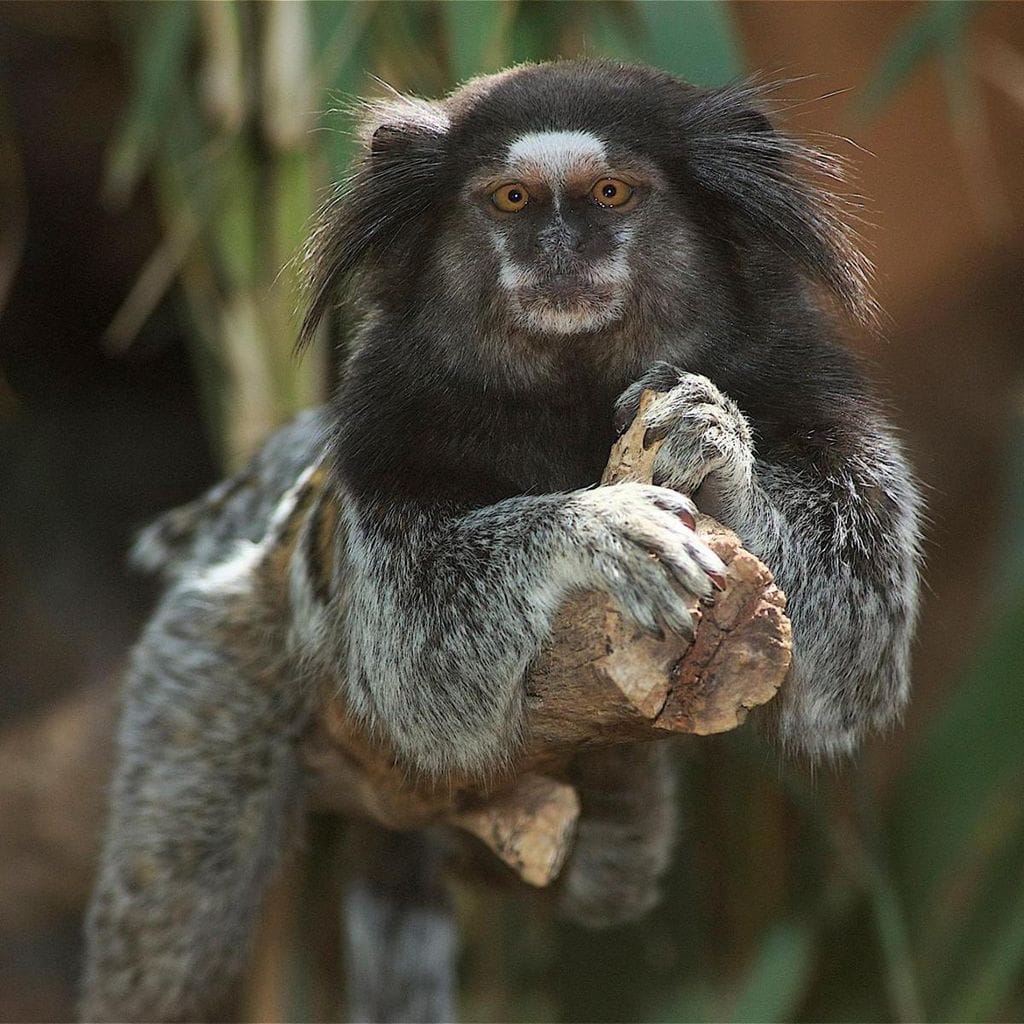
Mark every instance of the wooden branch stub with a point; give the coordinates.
(530, 828)
(600, 681)
(629, 459)
(603, 679)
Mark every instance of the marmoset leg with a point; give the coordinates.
(400, 934)
(626, 833)
(204, 800)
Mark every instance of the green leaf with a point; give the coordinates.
(613, 30)
(778, 977)
(894, 942)
(161, 55)
(335, 23)
(476, 30)
(939, 27)
(693, 40)
(962, 771)
(692, 1003)
(343, 58)
(991, 981)
(979, 939)
(536, 29)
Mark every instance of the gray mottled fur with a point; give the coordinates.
(207, 796)
(399, 926)
(497, 576)
(626, 834)
(207, 531)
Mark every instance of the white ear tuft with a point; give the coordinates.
(400, 112)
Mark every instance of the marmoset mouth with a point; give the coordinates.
(569, 305)
(565, 290)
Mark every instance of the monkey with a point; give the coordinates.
(516, 264)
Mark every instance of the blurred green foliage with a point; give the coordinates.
(834, 898)
(937, 28)
(225, 119)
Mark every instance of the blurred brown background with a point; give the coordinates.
(859, 895)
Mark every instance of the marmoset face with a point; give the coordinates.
(533, 211)
(562, 215)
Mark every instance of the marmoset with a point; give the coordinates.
(519, 261)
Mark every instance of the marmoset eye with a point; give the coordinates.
(510, 198)
(611, 192)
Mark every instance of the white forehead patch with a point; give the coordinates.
(554, 154)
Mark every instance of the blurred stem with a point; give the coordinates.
(222, 76)
(258, 391)
(13, 204)
(199, 288)
(291, 199)
(203, 303)
(890, 920)
(157, 276)
(236, 222)
(287, 105)
(989, 983)
(253, 396)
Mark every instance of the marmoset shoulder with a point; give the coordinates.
(517, 263)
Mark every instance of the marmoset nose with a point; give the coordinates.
(558, 239)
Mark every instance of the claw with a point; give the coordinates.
(678, 509)
(718, 580)
(623, 418)
(712, 565)
(689, 580)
